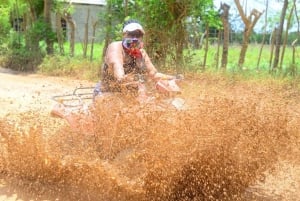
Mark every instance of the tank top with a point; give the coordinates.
(131, 65)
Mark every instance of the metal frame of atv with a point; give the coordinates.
(78, 96)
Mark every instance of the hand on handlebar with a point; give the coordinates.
(161, 76)
(132, 80)
(179, 77)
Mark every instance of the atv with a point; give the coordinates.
(76, 108)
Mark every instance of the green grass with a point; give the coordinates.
(251, 58)
(75, 66)
(87, 68)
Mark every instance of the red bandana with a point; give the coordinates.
(134, 52)
(132, 47)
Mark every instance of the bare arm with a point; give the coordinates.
(152, 71)
(114, 60)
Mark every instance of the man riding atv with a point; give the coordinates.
(126, 61)
(126, 68)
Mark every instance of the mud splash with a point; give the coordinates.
(216, 150)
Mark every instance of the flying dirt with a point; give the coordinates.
(236, 141)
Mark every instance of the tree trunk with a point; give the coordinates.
(201, 40)
(59, 33)
(72, 37)
(249, 22)
(17, 24)
(93, 39)
(225, 16)
(31, 42)
(47, 19)
(126, 8)
(264, 36)
(32, 12)
(179, 41)
(294, 66)
(86, 34)
(294, 51)
(297, 20)
(108, 28)
(178, 10)
(272, 44)
(286, 34)
(246, 36)
(279, 35)
(218, 50)
(206, 46)
(71, 22)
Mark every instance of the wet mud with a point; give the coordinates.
(233, 141)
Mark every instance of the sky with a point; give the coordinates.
(274, 5)
(274, 8)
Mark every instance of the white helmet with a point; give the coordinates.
(133, 27)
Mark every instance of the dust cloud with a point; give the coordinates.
(217, 148)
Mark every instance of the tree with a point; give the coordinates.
(35, 28)
(279, 35)
(111, 19)
(159, 32)
(249, 23)
(264, 34)
(165, 24)
(47, 18)
(26, 17)
(59, 32)
(4, 24)
(297, 20)
(288, 24)
(272, 43)
(95, 23)
(224, 16)
(67, 15)
(178, 10)
(86, 34)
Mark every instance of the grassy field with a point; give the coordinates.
(251, 58)
(87, 68)
(77, 66)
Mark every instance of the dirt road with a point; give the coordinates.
(20, 93)
(26, 92)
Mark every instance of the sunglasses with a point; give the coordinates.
(131, 42)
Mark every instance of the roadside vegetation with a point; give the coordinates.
(195, 41)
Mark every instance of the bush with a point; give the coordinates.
(5, 26)
(22, 60)
(57, 65)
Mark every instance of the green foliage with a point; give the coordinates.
(5, 26)
(165, 23)
(69, 66)
(76, 66)
(21, 59)
(112, 19)
(16, 40)
(25, 53)
(173, 32)
(36, 32)
(37, 5)
(57, 65)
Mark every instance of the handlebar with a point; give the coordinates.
(76, 98)
(83, 93)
